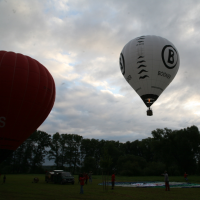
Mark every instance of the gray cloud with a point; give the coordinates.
(80, 42)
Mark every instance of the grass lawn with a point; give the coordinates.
(20, 187)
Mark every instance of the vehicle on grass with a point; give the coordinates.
(59, 176)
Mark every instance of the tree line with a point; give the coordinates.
(176, 151)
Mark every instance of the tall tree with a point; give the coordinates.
(54, 152)
(92, 148)
(73, 144)
(187, 149)
(113, 151)
(177, 148)
(131, 165)
(40, 141)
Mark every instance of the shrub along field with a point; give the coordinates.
(19, 187)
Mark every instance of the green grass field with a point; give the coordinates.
(20, 187)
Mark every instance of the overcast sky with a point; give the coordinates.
(79, 42)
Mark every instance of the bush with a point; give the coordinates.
(174, 171)
(154, 169)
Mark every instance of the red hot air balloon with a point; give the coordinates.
(27, 95)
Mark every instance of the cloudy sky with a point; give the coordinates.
(79, 42)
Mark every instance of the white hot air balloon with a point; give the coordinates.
(149, 63)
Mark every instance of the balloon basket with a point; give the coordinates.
(149, 112)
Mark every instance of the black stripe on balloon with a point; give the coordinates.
(122, 64)
(142, 71)
(141, 61)
(143, 77)
(141, 38)
(138, 89)
(142, 66)
(157, 88)
(140, 41)
(140, 57)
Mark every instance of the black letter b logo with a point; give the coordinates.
(170, 57)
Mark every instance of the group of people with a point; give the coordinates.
(86, 177)
(83, 179)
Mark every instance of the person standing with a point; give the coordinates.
(4, 178)
(86, 178)
(79, 178)
(166, 178)
(82, 179)
(113, 180)
(90, 176)
(185, 176)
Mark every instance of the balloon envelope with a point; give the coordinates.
(149, 63)
(27, 95)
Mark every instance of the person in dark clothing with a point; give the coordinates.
(4, 179)
(90, 176)
(86, 178)
(79, 178)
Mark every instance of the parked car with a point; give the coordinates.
(60, 177)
